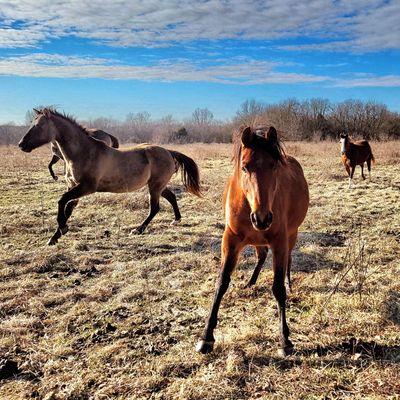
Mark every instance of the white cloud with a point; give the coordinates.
(238, 71)
(352, 24)
(371, 81)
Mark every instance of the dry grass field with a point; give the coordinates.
(106, 315)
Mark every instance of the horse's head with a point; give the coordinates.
(343, 139)
(41, 131)
(260, 158)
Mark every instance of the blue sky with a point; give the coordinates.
(108, 58)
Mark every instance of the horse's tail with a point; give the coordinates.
(190, 172)
(114, 141)
(372, 158)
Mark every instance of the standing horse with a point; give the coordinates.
(98, 134)
(266, 201)
(92, 166)
(355, 153)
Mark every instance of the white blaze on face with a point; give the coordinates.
(342, 145)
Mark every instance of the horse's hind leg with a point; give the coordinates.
(369, 168)
(154, 208)
(362, 171)
(171, 198)
(51, 163)
(262, 252)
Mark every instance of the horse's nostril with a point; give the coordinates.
(269, 218)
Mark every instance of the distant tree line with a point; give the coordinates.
(314, 119)
(319, 119)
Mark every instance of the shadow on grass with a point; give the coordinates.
(352, 352)
(391, 307)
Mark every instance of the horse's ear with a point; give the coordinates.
(46, 113)
(272, 135)
(247, 137)
(36, 111)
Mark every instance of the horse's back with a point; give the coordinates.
(100, 135)
(360, 151)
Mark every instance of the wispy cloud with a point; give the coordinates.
(360, 25)
(371, 81)
(238, 71)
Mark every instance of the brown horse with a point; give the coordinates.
(265, 202)
(92, 166)
(97, 134)
(355, 153)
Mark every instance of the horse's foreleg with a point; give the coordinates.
(230, 250)
(53, 161)
(171, 198)
(65, 209)
(154, 209)
(261, 256)
(280, 263)
(351, 177)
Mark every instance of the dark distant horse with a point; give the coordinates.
(355, 153)
(97, 134)
(266, 201)
(92, 166)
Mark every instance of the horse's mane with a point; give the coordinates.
(259, 142)
(53, 111)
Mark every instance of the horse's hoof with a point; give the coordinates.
(176, 222)
(285, 351)
(55, 178)
(64, 229)
(249, 285)
(52, 242)
(204, 347)
(136, 231)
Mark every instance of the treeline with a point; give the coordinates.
(314, 119)
(319, 119)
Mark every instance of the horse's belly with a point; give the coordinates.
(122, 183)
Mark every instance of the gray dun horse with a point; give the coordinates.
(92, 166)
(97, 134)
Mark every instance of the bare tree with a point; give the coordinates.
(202, 116)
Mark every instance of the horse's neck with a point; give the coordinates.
(71, 141)
(348, 145)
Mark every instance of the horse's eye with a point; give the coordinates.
(244, 169)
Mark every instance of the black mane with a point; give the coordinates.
(53, 111)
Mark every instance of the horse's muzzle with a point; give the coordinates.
(24, 147)
(261, 224)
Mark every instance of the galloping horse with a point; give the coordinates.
(266, 201)
(97, 134)
(92, 166)
(355, 153)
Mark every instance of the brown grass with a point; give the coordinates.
(106, 315)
